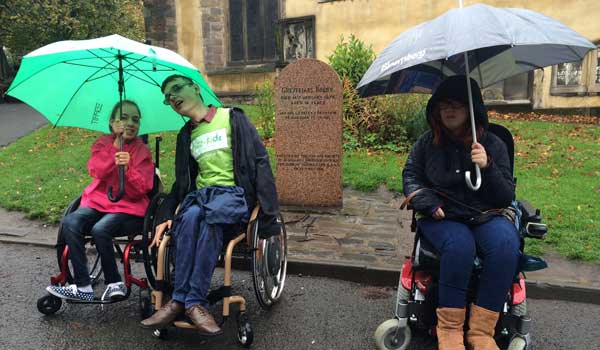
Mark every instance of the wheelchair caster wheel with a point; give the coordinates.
(160, 333)
(388, 338)
(146, 308)
(245, 333)
(517, 343)
(49, 304)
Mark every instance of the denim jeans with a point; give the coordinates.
(102, 227)
(497, 244)
(209, 217)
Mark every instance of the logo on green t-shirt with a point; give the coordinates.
(209, 142)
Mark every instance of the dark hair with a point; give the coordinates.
(113, 113)
(170, 78)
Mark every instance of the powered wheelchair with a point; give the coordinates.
(268, 259)
(129, 247)
(417, 296)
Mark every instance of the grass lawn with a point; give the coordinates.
(557, 167)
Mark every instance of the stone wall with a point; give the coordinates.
(214, 33)
(160, 22)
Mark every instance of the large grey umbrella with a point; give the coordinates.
(490, 43)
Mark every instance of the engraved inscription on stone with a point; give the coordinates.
(308, 129)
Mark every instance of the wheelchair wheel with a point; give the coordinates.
(269, 265)
(161, 333)
(385, 336)
(146, 307)
(150, 223)
(93, 258)
(245, 333)
(49, 304)
(517, 343)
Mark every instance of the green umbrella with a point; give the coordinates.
(77, 82)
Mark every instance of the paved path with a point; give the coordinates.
(18, 120)
(315, 313)
(365, 242)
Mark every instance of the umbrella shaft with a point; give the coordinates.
(470, 93)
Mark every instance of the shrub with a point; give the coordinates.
(392, 122)
(351, 59)
(266, 107)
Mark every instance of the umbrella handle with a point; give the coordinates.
(121, 186)
(477, 181)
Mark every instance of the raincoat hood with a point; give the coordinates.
(455, 88)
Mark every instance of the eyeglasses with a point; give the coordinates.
(444, 106)
(174, 90)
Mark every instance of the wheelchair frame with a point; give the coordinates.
(49, 304)
(163, 284)
(413, 299)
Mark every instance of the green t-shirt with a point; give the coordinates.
(211, 147)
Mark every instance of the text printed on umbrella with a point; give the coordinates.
(406, 58)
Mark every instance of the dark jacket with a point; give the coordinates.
(441, 167)
(252, 171)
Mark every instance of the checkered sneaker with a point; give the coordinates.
(70, 292)
(115, 291)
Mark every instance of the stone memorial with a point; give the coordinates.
(308, 135)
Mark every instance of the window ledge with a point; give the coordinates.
(568, 90)
(507, 102)
(250, 68)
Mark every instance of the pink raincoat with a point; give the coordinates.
(139, 177)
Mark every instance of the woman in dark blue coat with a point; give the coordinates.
(449, 213)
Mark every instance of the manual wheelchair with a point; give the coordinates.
(417, 296)
(130, 246)
(268, 258)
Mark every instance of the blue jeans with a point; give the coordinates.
(497, 244)
(205, 217)
(103, 227)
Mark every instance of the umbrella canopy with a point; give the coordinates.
(76, 82)
(499, 42)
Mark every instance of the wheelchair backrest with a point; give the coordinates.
(504, 134)
(157, 185)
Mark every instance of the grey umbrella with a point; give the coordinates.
(490, 43)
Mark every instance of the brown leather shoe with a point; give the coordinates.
(165, 315)
(203, 320)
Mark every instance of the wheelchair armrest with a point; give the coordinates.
(531, 220)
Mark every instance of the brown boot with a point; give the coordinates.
(203, 320)
(450, 332)
(482, 326)
(165, 315)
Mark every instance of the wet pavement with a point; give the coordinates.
(17, 120)
(364, 242)
(314, 313)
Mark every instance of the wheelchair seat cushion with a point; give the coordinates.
(425, 254)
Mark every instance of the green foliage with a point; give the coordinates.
(380, 123)
(266, 108)
(42, 172)
(391, 122)
(351, 59)
(28, 24)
